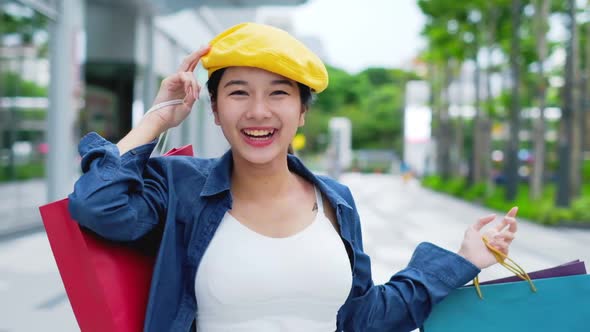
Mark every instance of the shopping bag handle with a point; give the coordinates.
(164, 133)
(502, 258)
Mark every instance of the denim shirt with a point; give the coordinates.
(174, 205)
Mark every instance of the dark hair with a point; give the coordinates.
(307, 97)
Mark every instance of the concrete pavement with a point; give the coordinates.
(395, 218)
(18, 206)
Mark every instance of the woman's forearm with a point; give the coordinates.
(148, 129)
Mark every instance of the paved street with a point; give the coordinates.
(396, 217)
(18, 202)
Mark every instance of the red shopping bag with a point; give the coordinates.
(107, 284)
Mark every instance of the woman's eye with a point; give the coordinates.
(238, 93)
(278, 92)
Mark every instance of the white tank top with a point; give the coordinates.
(247, 281)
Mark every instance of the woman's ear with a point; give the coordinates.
(215, 113)
(302, 115)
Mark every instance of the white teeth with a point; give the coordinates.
(258, 132)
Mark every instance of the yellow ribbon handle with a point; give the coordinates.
(511, 265)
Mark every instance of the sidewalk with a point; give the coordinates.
(19, 202)
(396, 217)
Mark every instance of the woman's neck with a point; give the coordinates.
(260, 182)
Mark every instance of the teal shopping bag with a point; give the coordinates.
(560, 304)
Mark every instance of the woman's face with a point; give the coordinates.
(259, 113)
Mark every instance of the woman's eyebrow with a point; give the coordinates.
(235, 82)
(276, 82)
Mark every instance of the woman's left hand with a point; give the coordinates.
(500, 236)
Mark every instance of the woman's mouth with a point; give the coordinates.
(259, 137)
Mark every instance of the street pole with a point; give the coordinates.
(63, 101)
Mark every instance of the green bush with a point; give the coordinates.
(542, 210)
(23, 172)
(455, 186)
(496, 200)
(558, 215)
(581, 208)
(434, 182)
(475, 193)
(30, 171)
(586, 171)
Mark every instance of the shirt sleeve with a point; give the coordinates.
(121, 198)
(406, 300)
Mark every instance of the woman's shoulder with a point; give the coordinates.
(181, 164)
(337, 187)
(331, 182)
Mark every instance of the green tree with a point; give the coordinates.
(563, 196)
(15, 86)
(541, 28)
(512, 144)
(372, 99)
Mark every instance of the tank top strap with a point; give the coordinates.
(319, 201)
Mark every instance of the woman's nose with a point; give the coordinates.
(258, 110)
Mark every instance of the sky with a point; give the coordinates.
(359, 34)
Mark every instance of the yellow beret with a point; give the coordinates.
(268, 48)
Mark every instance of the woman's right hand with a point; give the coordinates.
(180, 85)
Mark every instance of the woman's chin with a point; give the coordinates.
(261, 156)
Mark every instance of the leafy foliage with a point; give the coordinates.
(13, 85)
(371, 99)
(542, 211)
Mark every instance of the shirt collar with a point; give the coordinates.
(219, 179)
(335, 198)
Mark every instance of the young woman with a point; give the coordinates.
(254, 241)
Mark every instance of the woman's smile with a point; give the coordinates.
(259, 136)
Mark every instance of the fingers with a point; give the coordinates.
(196, 88)
(200, 53)
(189, 100)
(509, 220)
(512, 212)
(189, 84)
(190, 62)
(484, 221)
(500, 236)
(501, 244)
(505, 237)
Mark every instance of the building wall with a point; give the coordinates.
(111, 34)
